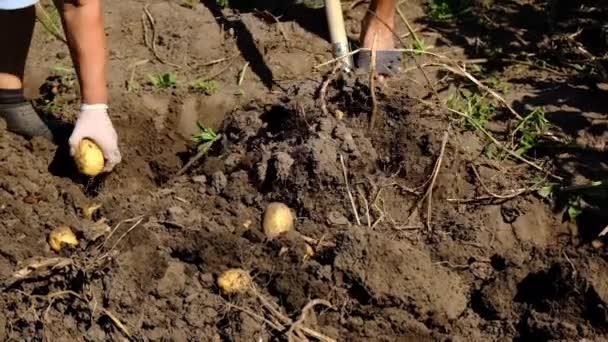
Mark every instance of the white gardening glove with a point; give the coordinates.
(94, 123)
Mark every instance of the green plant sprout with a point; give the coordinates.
(208, 87)
(163, 80)
(530, 130)
(205, 138)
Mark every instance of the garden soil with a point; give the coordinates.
(398, 252)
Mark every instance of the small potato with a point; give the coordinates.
(234, 280)
(88, 210)
(89, 158)
(60, 236)
(278, 219)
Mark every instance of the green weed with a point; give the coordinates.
(163, 80)
(530, 130)
(50, 20)
(478, 108)
(67, 75)
(419, 46)
(205, 138)
(444, 10)
(208, 87)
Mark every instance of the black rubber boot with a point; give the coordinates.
(22, 119)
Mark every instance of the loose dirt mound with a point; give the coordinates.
(399, 251)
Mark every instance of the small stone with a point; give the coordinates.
(597, 243)
(281, 164)
(201, 179)
(219, 181)
(206, 280)
(232, 161)
(95, 333)
(337, 218)
(175, 214)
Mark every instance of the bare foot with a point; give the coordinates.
(372, 26)
(388, 61)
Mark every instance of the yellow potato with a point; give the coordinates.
(60, 236)
(89, 158)
(88, 210)
(234, 280)
(278, 219)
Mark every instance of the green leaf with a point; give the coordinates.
(574, 212)
(545, 191)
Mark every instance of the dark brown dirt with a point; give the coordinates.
(508, 270)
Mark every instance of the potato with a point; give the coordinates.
(60, 236)
(278, 219)
(234, 280)
(88, 210)
(89, 158)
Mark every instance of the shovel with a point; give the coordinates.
(337, 32)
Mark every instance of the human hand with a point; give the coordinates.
(94, 123)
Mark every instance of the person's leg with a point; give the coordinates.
(14, 108)
(378, 24)
(375, 24)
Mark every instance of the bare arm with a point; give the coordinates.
(83, 25)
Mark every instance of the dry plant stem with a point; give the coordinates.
(219, 60)
(221, 71)
(350, 195)
(242, 77)
(34, 269)
(133, 68)
(337, 59)
(513, 194)
(273, 325)
(603, 232)
(317, 335)
(299, 323)
(274, 311)
(574, 272)
(52, 296)
(517, 192)
(429, 192)
(120, 239)
(323, 91)
(153, 38)
(366, 203)
(372, 85)
(309, 307)
(407, 23)
(116, 228)
(283, 33)
(287, 321)
(356, 3)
